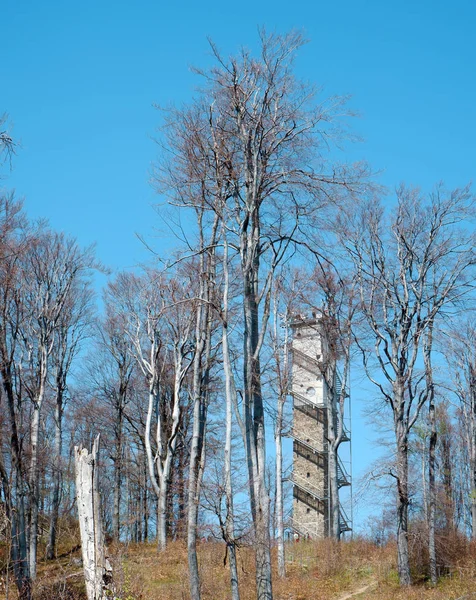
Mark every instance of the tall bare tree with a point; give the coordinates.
(336, 289)
(160, 317)
(110, 370)
(231, 404)
(411, 266)
(279, 334)
(74, 326)
(52, 265)
(14, 240)
(460, 353)
(262, 137)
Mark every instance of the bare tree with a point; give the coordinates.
(52, 265)
(7, 144)
(110, 369)
(160, 326)
(460, 352)
(281, 317)
(446, 435)
(339, 303)
(430, 393)
(14, 239)
(231, 404)
(410, 267)
(200, 389)
(262, 137)
(74, 326)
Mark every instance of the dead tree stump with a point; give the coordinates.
(97, 569)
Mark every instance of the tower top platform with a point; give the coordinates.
(308, 320)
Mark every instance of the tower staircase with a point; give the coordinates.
(312, 411)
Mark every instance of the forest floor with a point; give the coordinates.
(315, 571)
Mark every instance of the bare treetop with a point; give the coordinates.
(258, 138)
(7, 144)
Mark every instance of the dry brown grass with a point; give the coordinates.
(315, 571)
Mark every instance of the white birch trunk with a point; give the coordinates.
(202, 338)
(230, 394)
(162, 517)
(34, 472)
(51, 548)
(279, 496)
(278, 439)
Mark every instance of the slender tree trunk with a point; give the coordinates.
(55, 502)
(34, 470)
(19, 543)
(181, 528)
(194, 574)
(281, 350)
(116, 513)
(332, 449)
(254, 421)
(446, 452)
(428, 346)
(162, 516)
(263, 558)
(201, 368)
(138, 520)
(472, 450)
(165, 465)
(171, 520)
(19, 521)
(230, 515)
(257, 460)
(279, 494)
(432, 493)
(230, 540)
(158, 490)
(148, 448)
(193, 502)
(261, 525)
(402, 505)
(116, 529)
(230, 395)
(34, 489)
(473, 486)
(196, 467)
(127, 486)
(145, 500)
(423, 481)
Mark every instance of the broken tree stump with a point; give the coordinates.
(97, 569)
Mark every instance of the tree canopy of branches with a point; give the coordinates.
(7, 144)
(412, 264)
(253, 149)
(45, 291)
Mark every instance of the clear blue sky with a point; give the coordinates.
(79, 81)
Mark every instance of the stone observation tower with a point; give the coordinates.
(314, 404)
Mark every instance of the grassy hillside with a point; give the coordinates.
(316, 571)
